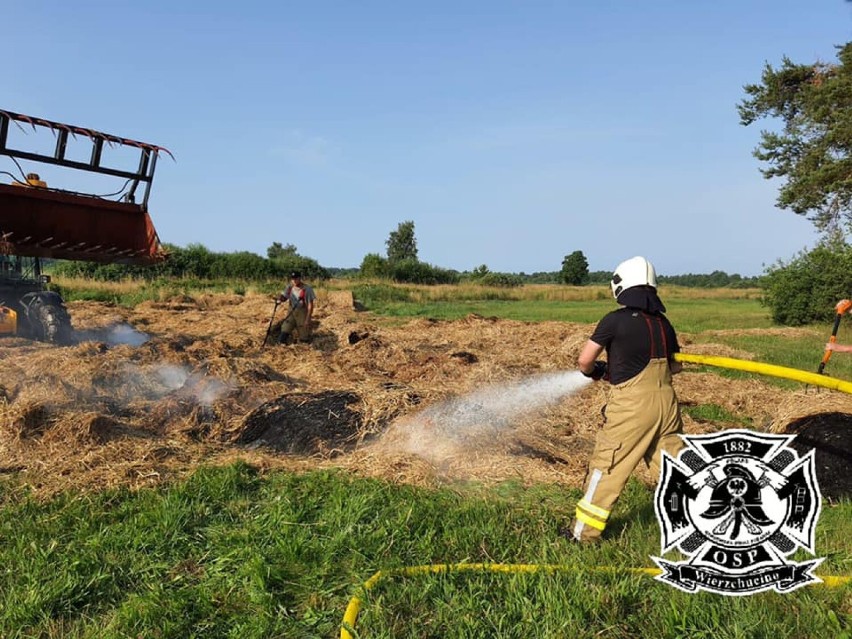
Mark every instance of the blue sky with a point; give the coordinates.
(511, 133)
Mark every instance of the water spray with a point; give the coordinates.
(477, 417)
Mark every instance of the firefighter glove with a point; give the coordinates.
(599, 371)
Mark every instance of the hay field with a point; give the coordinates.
(151, 392)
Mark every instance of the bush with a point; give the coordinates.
(508, 280)
(414, 272)
(807, 289)
(307, 266)
(198, 262)
(373, 266)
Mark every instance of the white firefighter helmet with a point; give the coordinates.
(637, 271)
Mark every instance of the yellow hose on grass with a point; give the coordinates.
(354, 607)
(814, 379)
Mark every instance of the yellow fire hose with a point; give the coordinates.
(354, 607)
(814, 379)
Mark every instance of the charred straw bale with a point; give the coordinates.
(326, 423)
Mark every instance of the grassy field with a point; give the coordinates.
(230, 553)
(701, 313)
(235, 553)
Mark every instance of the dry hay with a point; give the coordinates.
(338, 300)
(151, 392)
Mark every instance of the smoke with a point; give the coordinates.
(172, 377)
(125, 334)
(474, 420)
(113, 335)
(157, 381)
(211, 391)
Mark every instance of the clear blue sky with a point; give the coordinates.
(511, 133)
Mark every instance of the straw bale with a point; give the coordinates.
(338, 300)
(796, 405)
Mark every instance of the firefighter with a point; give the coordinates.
(301, 298)
(642, 417)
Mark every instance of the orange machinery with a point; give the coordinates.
(39, 221)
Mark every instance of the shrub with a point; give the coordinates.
(414, 272)
(807, 289)
(374, 266)
(509, 280)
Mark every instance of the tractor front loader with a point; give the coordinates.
(39, 222)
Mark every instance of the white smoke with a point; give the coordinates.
(171, 376)
(125, 334)
(113, 335)
(156, 381)
(211, 392)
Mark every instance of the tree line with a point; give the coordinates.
(399, 264)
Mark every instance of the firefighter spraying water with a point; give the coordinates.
(642, 414)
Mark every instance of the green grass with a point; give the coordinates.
(688, 315)
(230, 553)
(715, 414)
(802, 352)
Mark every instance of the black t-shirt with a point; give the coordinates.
(632, 338)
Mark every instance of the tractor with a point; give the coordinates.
(26, 306)
(38, 222)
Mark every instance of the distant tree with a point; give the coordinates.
(401, 243)
(374, 265)
(276, 251)
(600, 277)
(479, 272)
(813, 151)
(575, 269)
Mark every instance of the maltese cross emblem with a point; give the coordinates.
(737, 503)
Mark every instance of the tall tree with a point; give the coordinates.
(813, 149)
(276, 251)
(402, 244)
(575, 269)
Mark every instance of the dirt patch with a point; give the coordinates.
(830, 435)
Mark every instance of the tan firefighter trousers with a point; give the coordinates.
(642, 419)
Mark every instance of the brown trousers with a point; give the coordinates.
(297, 321)
(642, 419)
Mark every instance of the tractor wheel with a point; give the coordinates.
(52, 324)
